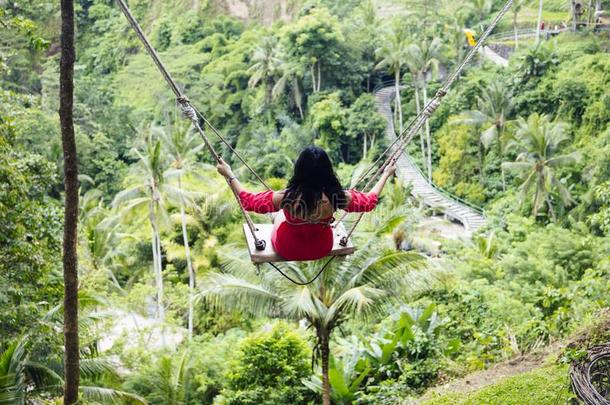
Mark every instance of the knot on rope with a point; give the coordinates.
(260, 244)
(431, 107)
(187, 109)
(441, 93)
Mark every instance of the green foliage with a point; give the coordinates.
(534, 285)
(345, 377)
(328, 119)
(408, 351)
(169, 382)
(364, 125)
(213, 359)
(537, 143)
(21, 46)
(272, 90)
(459, 164)
(269, 369)
(601, 219)
(30, 232)
(547, 385)
(315, 40)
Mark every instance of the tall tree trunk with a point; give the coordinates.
(157, 266)
(268, 93)
(153, 244)
(428, 143)
(515, 14)
(189, 264)
(573, 3)
(500, 132)
(298, 97)
(319, 75)
(540, 7)
(160, 278)
(481, 154)
(537, 194)
(325, 351)
(551, 210)
(312, 71)
(398, 100)
(395, 112)
(70, 258)
(364, 146)
(418, 109)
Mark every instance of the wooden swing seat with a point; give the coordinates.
(263, 232)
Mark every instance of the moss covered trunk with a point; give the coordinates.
(70, 263)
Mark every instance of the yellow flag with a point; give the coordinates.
(470, 36)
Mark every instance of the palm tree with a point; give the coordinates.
(456, 14)
(482, 9)
(393, 55)
(13, 376)
(537, 142)
(70, 239)
(424, 59)
(362, 284)
(144, 192)
(365, 30)
(26, 371)
(414, 71)
(494, 106)
(169, 383)
(291, 74)
(517, 7)
(264, 66)
(539, 22)
(102, 237)
(182, 147)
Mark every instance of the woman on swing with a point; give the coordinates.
(302, 228)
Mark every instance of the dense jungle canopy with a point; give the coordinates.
(427, 310)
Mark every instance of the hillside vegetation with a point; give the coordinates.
(171, 309)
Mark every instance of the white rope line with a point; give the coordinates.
(187, 109)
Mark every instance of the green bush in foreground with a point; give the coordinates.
(269, 370)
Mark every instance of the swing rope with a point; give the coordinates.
(293, 281)
(191, 113)
(397, 147)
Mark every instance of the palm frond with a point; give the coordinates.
(226, 291)
(301, 303)
(95, 367)
(488, 136)
(357, 300)
(128, 195)
(565, 160)
(110, 396)
(519, 167)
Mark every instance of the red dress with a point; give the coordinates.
(296, 239)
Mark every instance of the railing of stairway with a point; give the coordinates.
(445, 193)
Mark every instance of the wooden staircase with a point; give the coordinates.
(470, 217)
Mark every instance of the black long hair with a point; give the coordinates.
(313, 177)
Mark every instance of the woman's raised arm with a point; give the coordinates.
(387, 173)
(262, 203)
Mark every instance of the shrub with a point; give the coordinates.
(269, 369)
